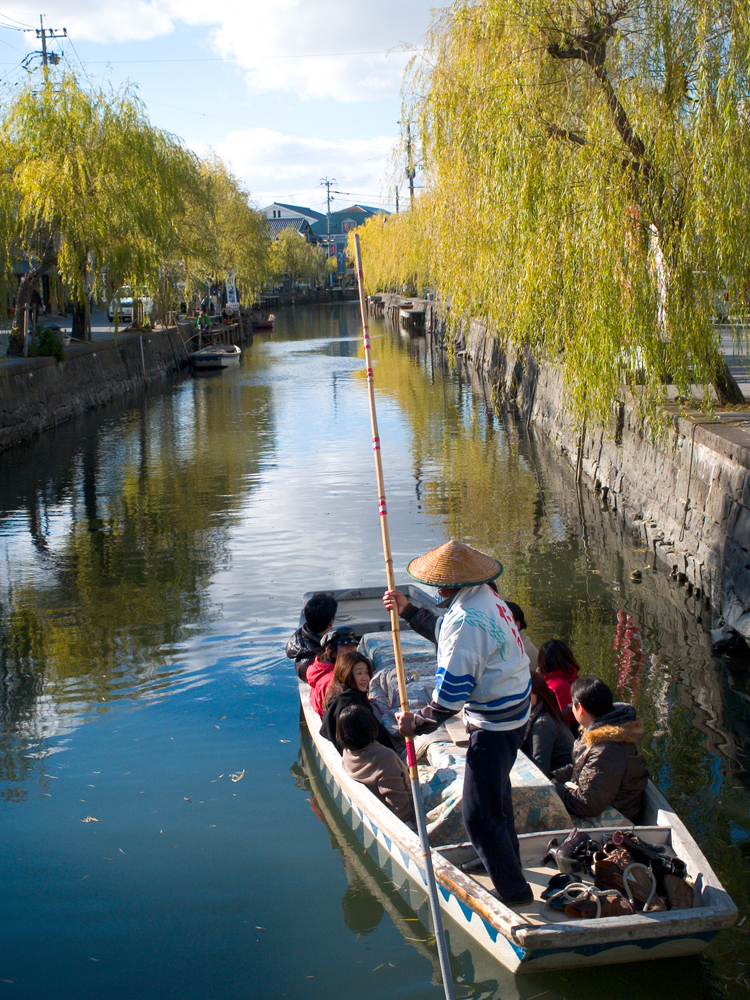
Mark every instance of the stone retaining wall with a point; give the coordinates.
(38, 393)
(687, 497)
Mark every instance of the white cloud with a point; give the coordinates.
(327, 48)
(277, 167)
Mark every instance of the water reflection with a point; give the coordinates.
(112, 532)
(154, 557)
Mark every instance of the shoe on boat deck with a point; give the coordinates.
(522, 898)
(475, 867)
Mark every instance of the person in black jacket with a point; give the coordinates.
(548, 740)
(305, 645)
(351, 680)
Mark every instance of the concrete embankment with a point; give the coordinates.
(39, 393)
(687, 496)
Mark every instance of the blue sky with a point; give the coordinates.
(286, 91)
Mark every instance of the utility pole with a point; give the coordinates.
(326, 183)
(396, 201)
(44, 34)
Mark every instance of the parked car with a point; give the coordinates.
(122, 303)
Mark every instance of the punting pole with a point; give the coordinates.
(411, 757)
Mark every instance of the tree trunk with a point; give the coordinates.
(81, 325)
(728, 393)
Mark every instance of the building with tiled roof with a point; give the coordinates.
(301, 226)
(278, 210)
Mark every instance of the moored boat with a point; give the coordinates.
(217, 356)
(265, 324)
(534, 937)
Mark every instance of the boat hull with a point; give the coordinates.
(405, 871)
(520, 944)
(216, 357)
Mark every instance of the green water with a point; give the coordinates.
(160, 836)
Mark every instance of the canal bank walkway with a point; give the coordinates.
(102, 332)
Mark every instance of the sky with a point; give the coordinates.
(287, 92)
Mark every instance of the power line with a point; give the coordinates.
(80, 61)
(24, 27)
(234, 121)
(296, 56)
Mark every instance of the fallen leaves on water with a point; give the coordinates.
(285, 741)
(217, 779)
(90, 819)
(239, 776)
(378, 967)
(186, 798)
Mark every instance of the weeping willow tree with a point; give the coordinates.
(239, 232)
(588, 179)
(292, 256)
(96, 190)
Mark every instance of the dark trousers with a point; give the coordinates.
(488, 808)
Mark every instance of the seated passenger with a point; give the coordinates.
(304, 645)
(519, 618)
(351, 679)
(559, 669)
(607, 769)
(368, 761)
(548, 741)
(320, 672)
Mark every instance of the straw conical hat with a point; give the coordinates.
(454, 565)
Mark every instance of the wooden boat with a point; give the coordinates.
(265, 324)
(217, 356)
(534, 937)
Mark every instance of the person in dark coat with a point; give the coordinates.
(305, 645)
(607, 769)
(548, 741)
(351, 680)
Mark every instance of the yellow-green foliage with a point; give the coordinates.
(587, 173)
(89, 182)
(293, 256)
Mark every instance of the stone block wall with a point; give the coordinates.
(42, 392)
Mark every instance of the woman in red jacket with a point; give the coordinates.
(320, 672)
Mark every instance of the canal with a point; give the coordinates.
(160, 836)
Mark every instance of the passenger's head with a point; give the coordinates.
(356, 728)
(592, 695)
(320, 611)
(542, 692)
(353, 670)
(335, 642)
(517, 613)
(556, 655)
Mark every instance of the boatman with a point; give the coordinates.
(481, 667)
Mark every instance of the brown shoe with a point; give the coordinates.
(679, 893)
(610, 904)
(638, 885)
